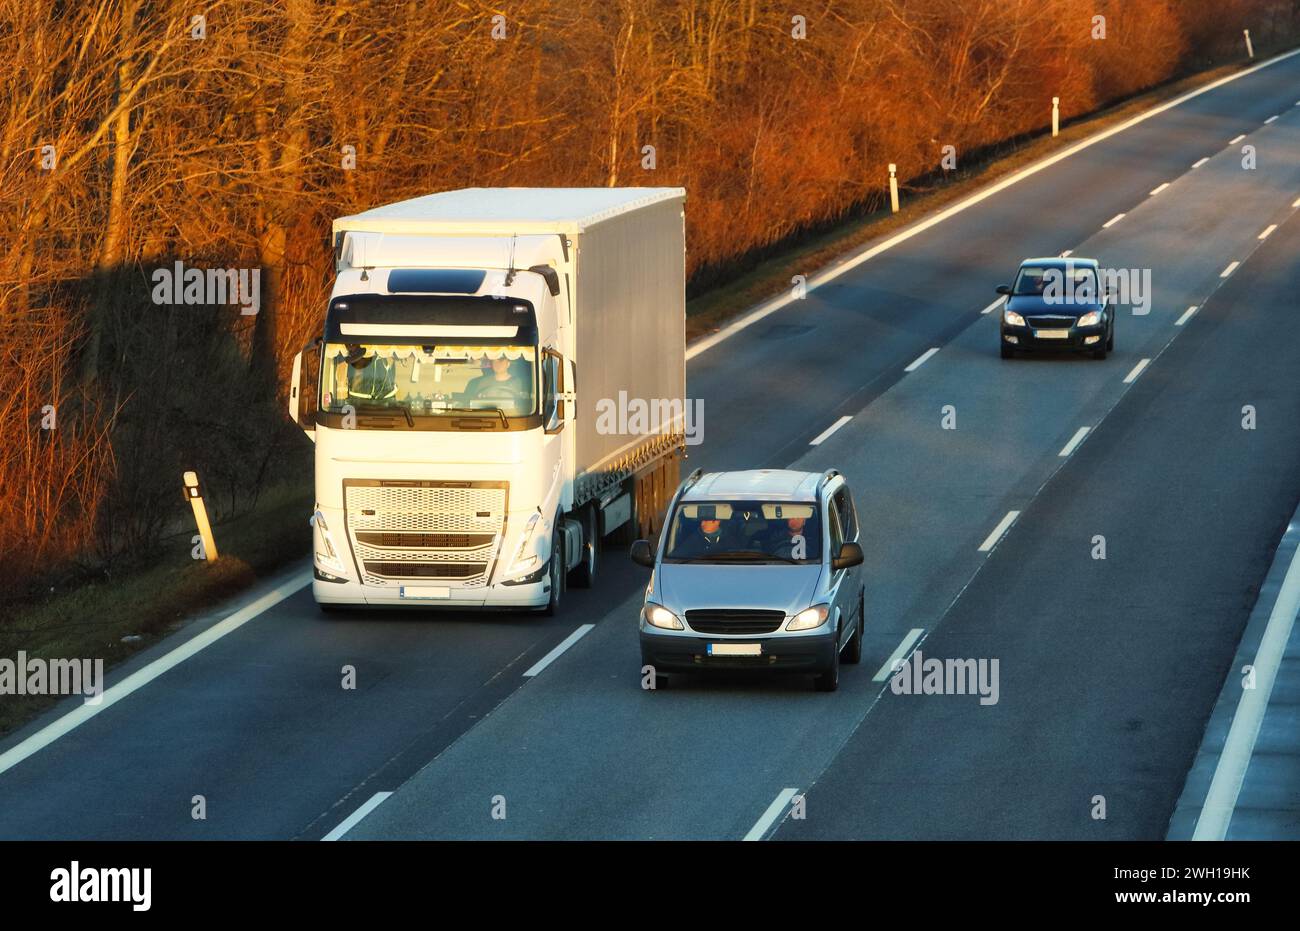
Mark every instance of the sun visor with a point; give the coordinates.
(360, 318)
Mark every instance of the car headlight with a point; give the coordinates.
(809, 618)
(327, 557)
(1091, 318)
(659, 616)
(1011, 318)
(525, 561)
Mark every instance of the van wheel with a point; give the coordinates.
(829, 680)
(584, 573)
(853, 649)
(556, 571)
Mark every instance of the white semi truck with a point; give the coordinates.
(473, 340)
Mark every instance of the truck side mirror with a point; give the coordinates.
(642, 554)
(850, 555)
(302, 393)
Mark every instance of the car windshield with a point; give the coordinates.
(430, 380)
(745, 531)
(1063, 282)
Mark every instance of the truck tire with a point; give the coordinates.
(584, 573)
(557, 572)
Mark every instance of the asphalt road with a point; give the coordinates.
(1109, 667)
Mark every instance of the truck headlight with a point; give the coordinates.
(327, 557)
(659, 616)
(1091, 318)
(525, 561)
(1011, 318)
(809, 618)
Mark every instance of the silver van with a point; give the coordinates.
(755, 570)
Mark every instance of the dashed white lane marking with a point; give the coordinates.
(1230, 772)
(1238, 139)
(1187, 315)
(552, 656)
(1201, 162)
(921, 359)
(1137, 370)
(1269, 120)
(1296, 202)
(1265, 234)
(764, 823)
(821, 437)
(1074, 442)
(1159, 189)
(1229, 270)
(994, 305)
(1112, 221)
(354, 819)
(992, 539)
(142, 677)
(1067, 253)
(903, 648)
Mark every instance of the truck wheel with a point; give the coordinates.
(556, 571)
(584, 573)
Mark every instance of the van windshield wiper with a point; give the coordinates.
(742, 556)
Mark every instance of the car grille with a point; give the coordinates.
(426, 530)
(734, 621)
(1051, 323)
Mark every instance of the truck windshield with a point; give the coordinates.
(745, 532)
(443, 380)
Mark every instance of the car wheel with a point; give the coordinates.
(853, 649)
(1007, 351)
(584, 573)
(1110, 340)
(556, 572)
(829, 680)
(1099, 353)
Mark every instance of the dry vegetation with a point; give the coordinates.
(228, 151)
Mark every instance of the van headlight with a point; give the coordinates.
(525, 561)
(809, 618)
(1091, 318)
(659, 616)
(327, 557)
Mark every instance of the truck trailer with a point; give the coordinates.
(472, 341)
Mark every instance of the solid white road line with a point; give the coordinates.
(1229, 270)
(1238, 139)
(992, 539)
(1074, 441)
(773, 812)
(552, 656)
(1265, 234)
(1137, 370)
(772, 306)
(1187, 315)
(887, 670)
(353, 819)
(1269, 120)
(994, 305)
(1230, 772)
(142, 677)
(1159, 189)
(920, 360)
(1201, 162)
(1112, 221)
(822, 437)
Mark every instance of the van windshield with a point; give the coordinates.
(443, 380)
(745, 531)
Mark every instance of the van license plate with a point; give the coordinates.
(735, 649)
(423, 591)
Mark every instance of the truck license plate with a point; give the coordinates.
(423, 591)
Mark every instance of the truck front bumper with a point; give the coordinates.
(533, 595)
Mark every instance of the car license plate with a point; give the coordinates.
(1052, 334)
(735, 649)
(423, 591)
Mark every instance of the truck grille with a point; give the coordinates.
(429, 530)
(734, 621)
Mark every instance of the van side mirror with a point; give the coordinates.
(642, 554)
(1004, 289)
(850, 555)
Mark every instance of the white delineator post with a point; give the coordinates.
(1250, 49)
(200, 515)
(893, 187)
(1056, 116)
